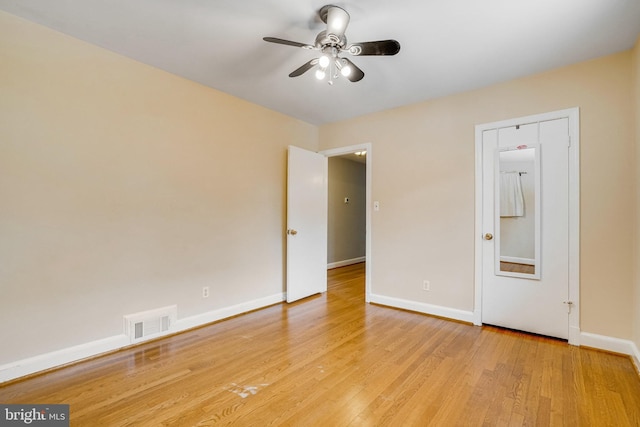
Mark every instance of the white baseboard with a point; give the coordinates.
(42, 362)
(61, 357)
(615, 345)
(603, 342)
(421, 307)
(225, 312)
(346, 262)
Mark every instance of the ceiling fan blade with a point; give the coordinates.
(304, 68)
(336, 19)
(381, 47)
(356, 73)
(287, 42)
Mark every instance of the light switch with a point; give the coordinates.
(376, 206)
(346, 200)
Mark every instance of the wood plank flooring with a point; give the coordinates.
(332, 360)
(513, 267)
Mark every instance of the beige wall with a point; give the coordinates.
(124, 188)
(426, 231)
(347, 222)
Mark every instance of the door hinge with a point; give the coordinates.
(569, 141)
(569, 305)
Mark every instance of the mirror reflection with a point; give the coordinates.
(518, 187)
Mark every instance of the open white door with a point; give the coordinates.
(306, 224)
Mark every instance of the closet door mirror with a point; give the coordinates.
(517, 190)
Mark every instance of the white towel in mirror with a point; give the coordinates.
(511, 198)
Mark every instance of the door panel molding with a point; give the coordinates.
(572, 114)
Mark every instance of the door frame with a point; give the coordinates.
(369, 173)
(573, 115)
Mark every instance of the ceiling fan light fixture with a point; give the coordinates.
(345, 70)
(331, 43)
(324, 61)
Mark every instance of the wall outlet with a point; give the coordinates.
(205, 292)
(426, 285)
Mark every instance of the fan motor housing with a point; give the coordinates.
(323, 39)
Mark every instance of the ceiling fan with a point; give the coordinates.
(332, 43)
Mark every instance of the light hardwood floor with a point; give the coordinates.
(517, 268)
(332, 360)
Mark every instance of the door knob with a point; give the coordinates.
(488, 236)
(291, 232)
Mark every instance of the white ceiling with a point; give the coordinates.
(447, 46)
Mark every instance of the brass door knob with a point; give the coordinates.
(292, 232)
(488, 236)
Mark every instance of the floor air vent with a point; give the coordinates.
(149, 324)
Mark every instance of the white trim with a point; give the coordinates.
(61, 357)
(225, 312)
(369, 200)
(478, 226)
(574, 223)
(42, 362)
(573, 115)
(516, 260)
(614, 345)
(421, 307)
(346, 262)
(636, 357)
(574, 335)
